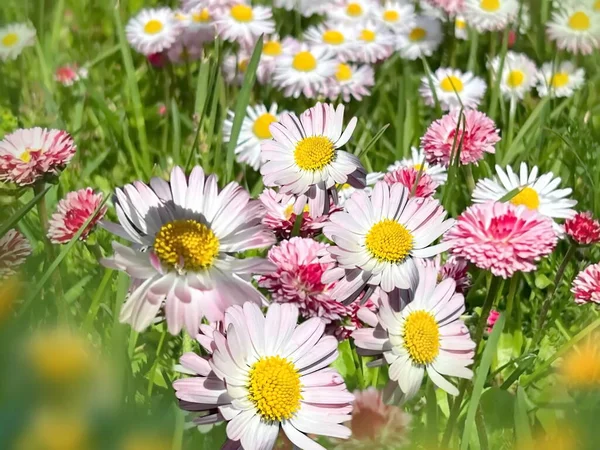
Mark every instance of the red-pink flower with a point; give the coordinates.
(477, 131)
(586, 286)
(583, 228)
(456, 268)
(28, 154)
(14, 249)
(72, 212)
(491, 320)
(452, 7)
(407, 176)
(502, 237)
(69, 74)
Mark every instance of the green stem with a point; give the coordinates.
(474, 44)
(512, 289)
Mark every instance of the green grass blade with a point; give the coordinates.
(513, 150)
(373, 141)
(22, 211)
(522, 426)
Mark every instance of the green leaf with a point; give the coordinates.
(498, 406)
(522, 426)
(22, 211)
(373, 141)
(346, 365)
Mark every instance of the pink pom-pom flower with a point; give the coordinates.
(14, 249)
(586, 286)
(72, 212)
(583, 228)
(408, 176)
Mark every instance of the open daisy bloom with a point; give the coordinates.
(305, 7)
(350, 82)
(373, 43)
(268, 373)
(272, 50)
(519, 75)
(377, 238)
(352, 12)
(453, 89)
(420, 331)
(490, 15)
(14, 38)
(304, 157)
(418, 183)
(28, 155)
(421, 39)
(244, 23)
(153, 30)
(184, 233)
(586, 286)
(14, 250)
(336, 38)
(417, 161)
(559, 81)
(396, 15)
(575, 28)
(460, 28)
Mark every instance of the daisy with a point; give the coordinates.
(70, 74)
(502, 238)
(345, 191)
(396, 15)
(490, 15)
(519, 75)
(421, 39)
(14, 38)
(535, 193)
(181, 52)
(477, 135)
(450, 7)
(418, 183)
(268, 373)
(244, 23)
(306, 8)
(456, 268)
(29, 154)
(575, 29)
(417, 161)
(460, 28)
(373, 43)
(335, 38)
(350, 82)
(560, 81)
(72, 212)
(452, 88)
(235, 66)
(255, 129)
(352, 12)
(185, 233)
(583, 228)
(379, 236)
(200, 26)
(424, 335)
(305, 157)
(586, 286)
(272, 50)
(14, 250)
(153, 30)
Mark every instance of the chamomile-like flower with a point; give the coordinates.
(350, 81)
(575, 29)
(14, 38)
(421, 39)
(490, 15)
(271, 51)
(419, 162)
(235, 66)
(453, 88)
(373, 43)
(14, 250)
(244, 23)
(305, 7)
(153, 30)
(559, 81)
(461, 28)
(352, 11)
(337, 38)
(396, 15)
(519, 74)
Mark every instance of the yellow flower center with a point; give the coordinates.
(417, 34)
(274, 388)
(391, 16)
(186, 244)
(354, 10)
(26, 155)
(289, 210)
(313, 153)
(581, 369)
(272, 48)
(527, 197)
(333, 37)
(597, 5)
(10, 39)
(344, 72)
(559, 79)
(418, 167)
(515, 78)
(421, 337)
(261, 126)
(367, 35)
(461, 24)
(59, 357)
(242, 13)
(579, 21)
(243, 65)
(304, 62)
(490, 5)
(451, 84)
(201, 16)
(388, 241)
(153, 26)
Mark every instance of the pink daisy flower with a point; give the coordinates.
(69, 74)
(266, 374)
(456, 268)
(413, 179)
(583, 228)
(452, 7)
(300, 265)
(586, 286)
(479, 137)
(491, 320)
(14, 250)
(27, 155)
(72, 212)
(502, 237)
(352, 321)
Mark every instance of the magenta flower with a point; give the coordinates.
(408, 176)
(72, 212)
(586, 286)
(14, 250)
(583, 228)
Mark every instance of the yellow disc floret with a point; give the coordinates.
(242, 13)
(274, 388)
(313, 153)
(261, 126)
(10, 39)
(527, 197)
(354, 9)
(343, 73)
(515, 78)
(579, 21)
(559, 79)
(391, 16)
(333, 37)
(421, 336)
(388, 241)
(272, 48)
(417, 34)
(304, 61)
(367, 35)
(153, 26)
(490, 5)
(201, 16)
(451, 84)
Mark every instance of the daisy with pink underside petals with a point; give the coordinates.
(373, 43)
(586, 286)
(72, 212)
(418, 161)
(454, 89)
(583, 228)
(420, 331)
(379, 236)
(335, 38)
(350, 82)
(575, 28)
(502, 238)
(452, 7)
(305, 157)
(14, 250)
(456, 268)
(244, 23)
(185, 235)
(418, 183)
(477, 135)
(266, 374)
(27, 155)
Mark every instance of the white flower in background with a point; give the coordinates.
(396, 15)
(519, 74)
(336, 38)
(560, 81)
(352, 11)
(272, 49)
(417, 161)
(461, 30)
(350, 81)
(575, 29)
(14, 38)
(244, 23)
(235, 66)
(305, 7)
(453, 87)
(373, 43)
(490, 15)
(421, 39)
(153, 30)
(199, 25)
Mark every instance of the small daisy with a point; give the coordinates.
(456, 268)
(519, 75)
(14, 38)
(14, 250)
(561, 81)
(421, 39)
(305, 157)
(396, 15)
(379, 236)
(583, 228)
(70, 74)
(244, 23)
(452, 88)
(424, 335)
(586, 286)
(535, 193)
(268, 373)
(306, 8)
(373, 43)
(255, 129)
(272, 50)
(200, 26)
(27, 155)
(153, 30)
(575, 29)
(417, 161)
(490, 15)
(186, 233)
(72, 212)
(352, 12)
(345, 191)
(502, 238)
(350, 82)
(336, 38)
(460, 28)
(450, 7)
(418, 183)
(235, 66)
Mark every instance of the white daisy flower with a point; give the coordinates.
(421, 39)
(419, 162)
(350, 81)
(305, 7)
(244, 23)
(235, 66)
(153, 30)
(560, 81)
(460, 28)
(420, 331)
(373, 43)
(345, 191)
(255, 129)
(352, 11)
(272, 50)
(14, 38)
(453, 87)
(537, 193)
(396, 15)
(379, 236)
(575, 29)
(336, 38)
(490, 15)
(199, 23)
(519, 74)
(305, 157)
